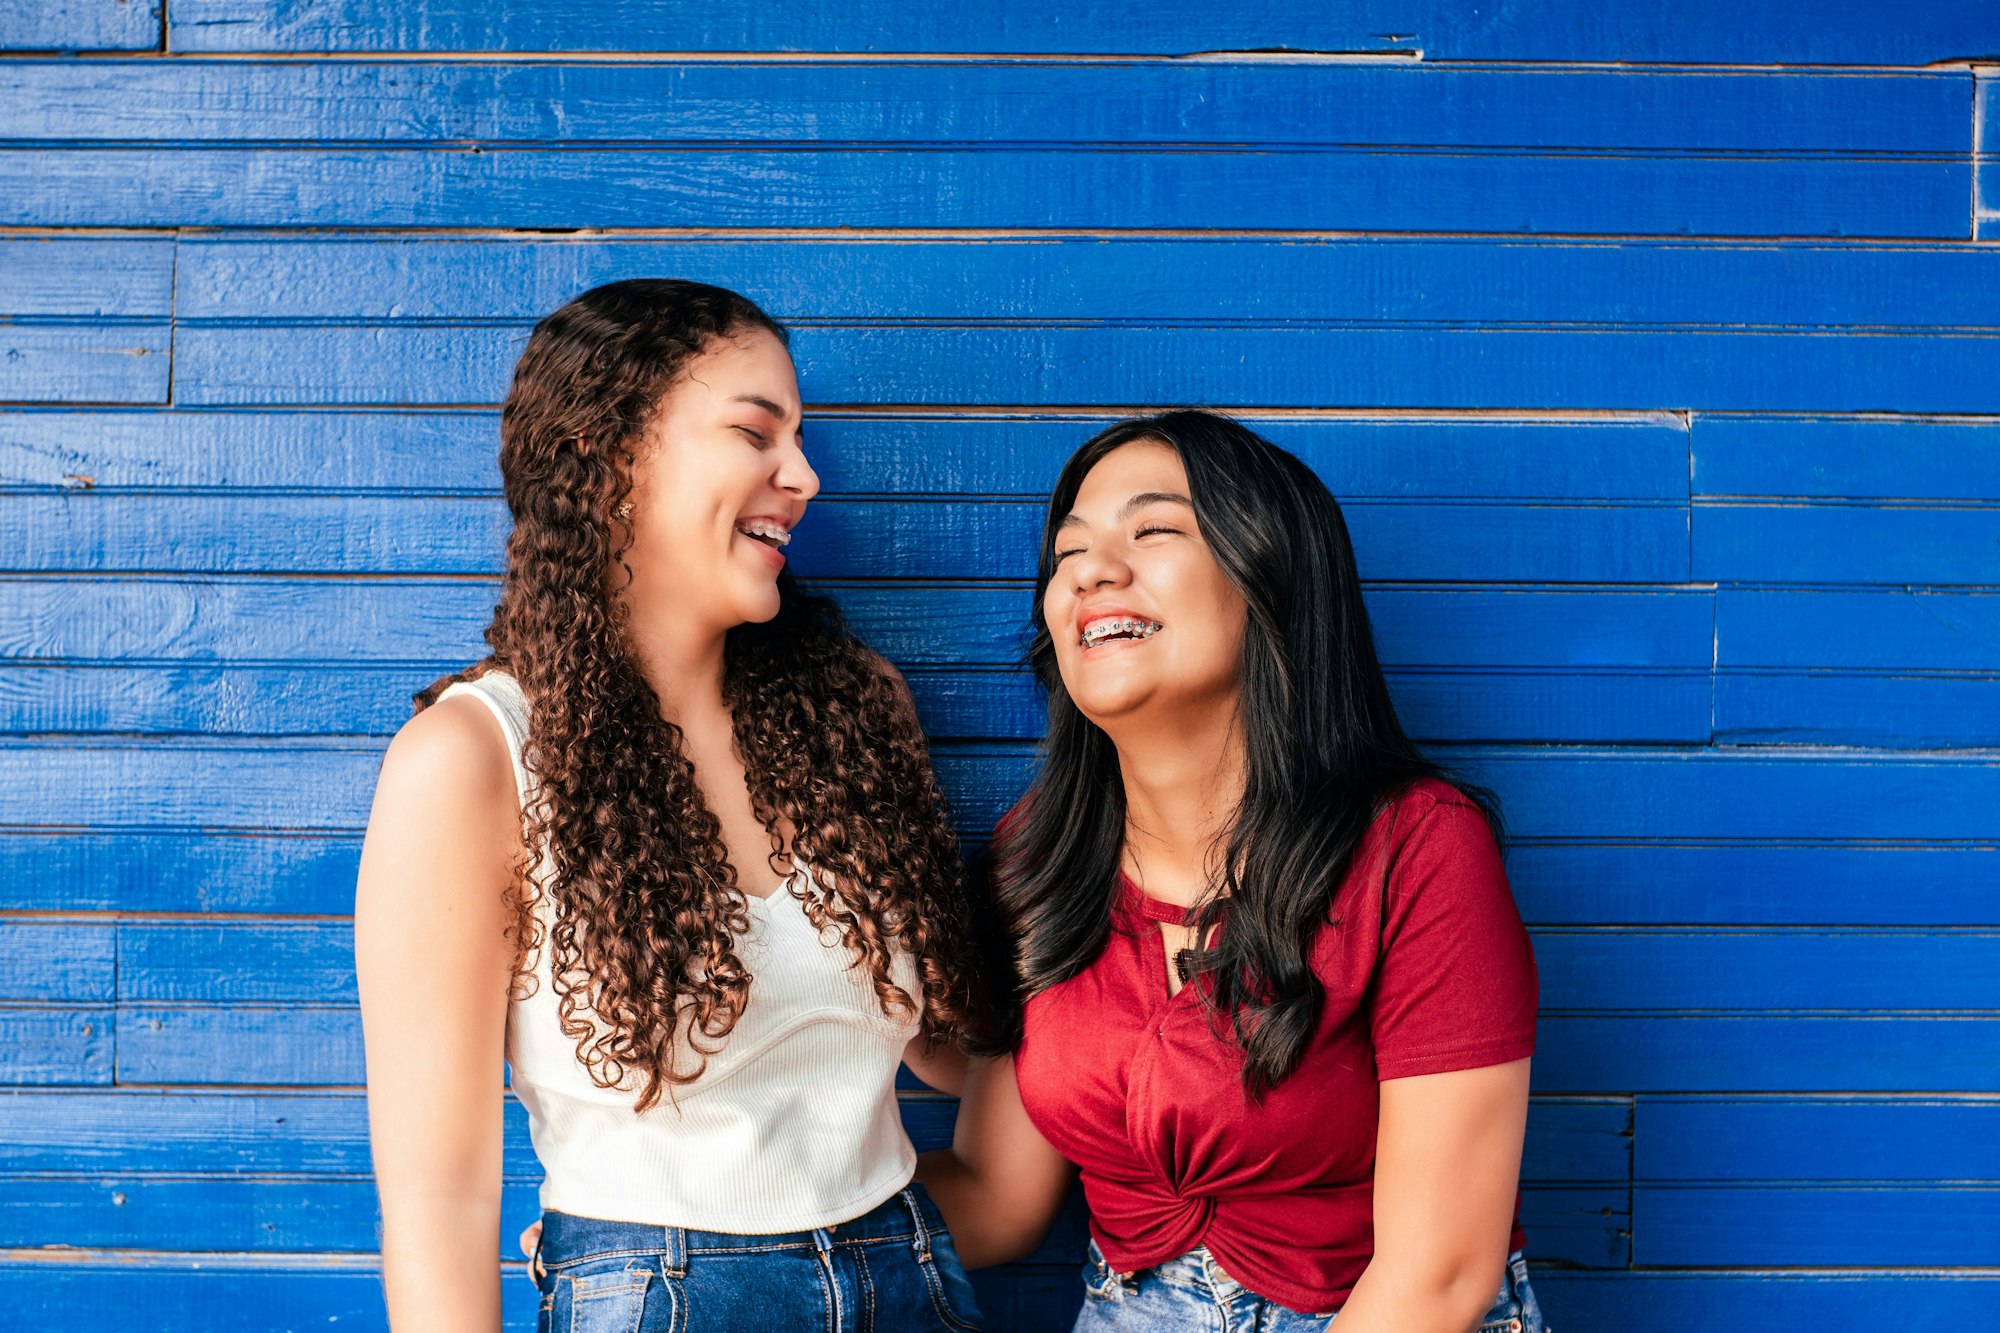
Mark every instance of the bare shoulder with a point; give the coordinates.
(451, 754)
(446, 814)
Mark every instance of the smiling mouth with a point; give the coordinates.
(769, 533)
(1121, 627)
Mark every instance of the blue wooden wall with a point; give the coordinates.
(1654, 350)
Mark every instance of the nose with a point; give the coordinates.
(796, 476)
(1100, 565)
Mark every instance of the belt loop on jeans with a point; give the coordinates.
(673, 1252)
(923, 1239)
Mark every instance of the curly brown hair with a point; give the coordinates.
(646, 907)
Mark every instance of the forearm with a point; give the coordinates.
(986, 1227)
(1427, 1294)
(441, 1264)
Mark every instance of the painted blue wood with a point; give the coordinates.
(435, 452)
(1887, 629)
(1748, 1140)
(1850, 543)
(1401, 104)
(1853, 883)
(1200, 280)
(1696, 1225)
(1933, 712)
(1792, 32)
(1365, 367)
(1643, 1053)
(838, 539)
(1566, 882)
(1308, 189)
(65, 363)
(1784, 969)
(54, 277)
(293, 1044)
(57, 959)
(1568, 704)
(1752, 1299)
(318, 786)
(83, 25)
(1842, 459)
(264, 620)
(1626, 970)
(56, 1044)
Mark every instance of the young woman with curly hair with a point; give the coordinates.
(674, 848)
(1279, 1005)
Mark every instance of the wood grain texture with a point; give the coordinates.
(83, 25)
(1674, 113)
(1790, 32)
(1339, 189)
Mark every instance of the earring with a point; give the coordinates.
(624, 510)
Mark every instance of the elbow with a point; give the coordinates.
(1465, 1290)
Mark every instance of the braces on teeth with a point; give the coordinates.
(770, 531)
(1107, 629)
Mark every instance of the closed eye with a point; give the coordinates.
(1148, 532)
(759, 436)
(1059, 556)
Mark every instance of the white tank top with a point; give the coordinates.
(792, 1125)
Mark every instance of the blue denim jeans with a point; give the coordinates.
(1192, 1294)
(889, 1270)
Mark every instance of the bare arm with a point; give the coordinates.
(1000, 1184)
(941, 1066)
(434, 963)
(1447, 1164)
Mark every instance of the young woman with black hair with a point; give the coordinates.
(1276, 1001)
(675, 849)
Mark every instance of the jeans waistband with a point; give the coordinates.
(569, 1239)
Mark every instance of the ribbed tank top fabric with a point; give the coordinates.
(792, 1125)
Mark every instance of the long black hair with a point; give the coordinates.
(1323, 752)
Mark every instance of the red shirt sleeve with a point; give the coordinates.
(1455, 984)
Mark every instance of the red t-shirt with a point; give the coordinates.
(1426, 968)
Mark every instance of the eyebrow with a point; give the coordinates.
(758, 400)
(1138, 501)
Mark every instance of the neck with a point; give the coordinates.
(1183, 783)
(682, 662)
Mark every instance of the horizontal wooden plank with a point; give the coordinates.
(1890, 629)
(1636, 793)
(1896, 884)
(1599, 969)
(1561, 883)
(55, 1044)
(1550, 704)
(350, 622)
(1751, 1300)
(318, 1133)
(1220, 101)
(82, 25)
(1793, 32)
(838, 539)
(1846, 543)
(1932, 712)
(294, 1044)
(123, 362)
(1927, 1226)
(1503, 281)
(1718, 970)
(177, 871)
(1765, 1053)
(1484, 457)
(1630, 970)
(56, 277)
(1834, 458)
(1277, 366)
(1747, 1140)
(1333, 189)
(57, 959)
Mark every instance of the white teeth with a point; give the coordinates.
(1101, 630)
(768, 531)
